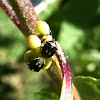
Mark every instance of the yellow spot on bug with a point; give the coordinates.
(36, 64)
(39, 65)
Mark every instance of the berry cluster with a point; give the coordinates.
(42, 47)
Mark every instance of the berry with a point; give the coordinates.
(43, 28)
(33, 42)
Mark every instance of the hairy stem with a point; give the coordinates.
(26, 14)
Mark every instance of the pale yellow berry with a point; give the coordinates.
(33, 41)
(43, 28)
(48, 62)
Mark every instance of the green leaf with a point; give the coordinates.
(88, 87)
(48, 94)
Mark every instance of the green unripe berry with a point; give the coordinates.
(36, 52)
(31, 54)
(48, 62)
(43, 28)
(33, 41)
(27, 56)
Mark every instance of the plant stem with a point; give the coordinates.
(65, 73)
(26, 14)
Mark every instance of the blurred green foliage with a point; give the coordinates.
(75, 24)
(89, 87)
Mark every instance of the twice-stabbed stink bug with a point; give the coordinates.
(49, 49)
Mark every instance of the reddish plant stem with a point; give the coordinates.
(65, 71)
(8, 10)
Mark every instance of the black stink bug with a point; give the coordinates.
(49, 49)
(36, 64)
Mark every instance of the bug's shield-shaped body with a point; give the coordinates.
(49, 49)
